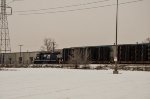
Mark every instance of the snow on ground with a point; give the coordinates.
(48, 83)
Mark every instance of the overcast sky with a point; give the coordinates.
(77, 28)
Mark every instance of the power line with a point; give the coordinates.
(10, 2)
(13, 1)
(61, 11)
(67, 6)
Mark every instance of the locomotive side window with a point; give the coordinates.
(45, 56)
(48, 56)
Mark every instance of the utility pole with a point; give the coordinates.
(20, 49)
(20, 58)
(116, 44)
(53, 47)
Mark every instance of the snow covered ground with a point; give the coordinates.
(48, 83)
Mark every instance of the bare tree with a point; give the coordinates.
(79, 56)
(147, 40)
(86, 57)
(49, 45)
(75, 57)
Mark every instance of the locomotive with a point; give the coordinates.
(47, 58)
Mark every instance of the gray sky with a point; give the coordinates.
(77, 28)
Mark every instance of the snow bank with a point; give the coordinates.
(49, 83)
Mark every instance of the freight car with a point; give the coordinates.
(127, 53)
(134, 53)
(96, 54)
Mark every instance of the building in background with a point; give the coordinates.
(18, 58)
